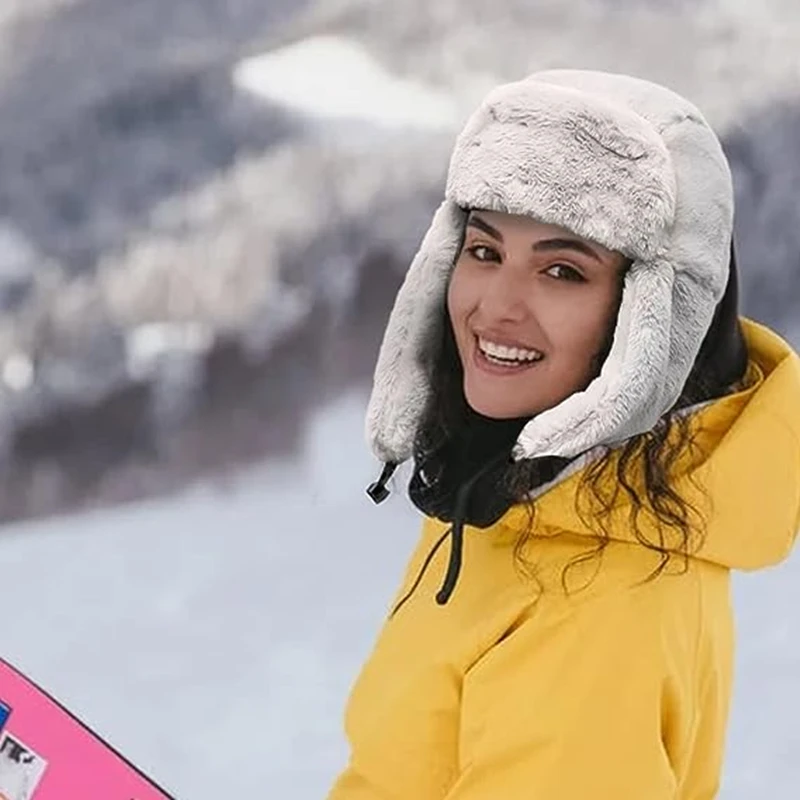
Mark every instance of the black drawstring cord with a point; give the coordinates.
(378, 492)
(457, 532)
(456, 557)
(421, 573)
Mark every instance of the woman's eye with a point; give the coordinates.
(481, 252)
(566, 273)
(562, 272)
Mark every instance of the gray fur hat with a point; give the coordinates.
(617, 160)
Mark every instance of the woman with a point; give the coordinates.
(597, 438)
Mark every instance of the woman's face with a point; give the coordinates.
(531, 306)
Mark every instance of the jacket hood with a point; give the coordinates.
(749, 469)
(618, 160)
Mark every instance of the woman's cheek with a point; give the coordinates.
(458, 295)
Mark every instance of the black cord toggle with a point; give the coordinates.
(377, 490)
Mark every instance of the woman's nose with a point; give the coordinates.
(504, 298)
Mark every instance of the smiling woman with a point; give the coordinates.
(532, 308)
(600, 438)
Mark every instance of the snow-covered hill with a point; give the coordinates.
(214, 636)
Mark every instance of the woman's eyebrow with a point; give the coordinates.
(546, 245)
(543, 245)
(476, 222)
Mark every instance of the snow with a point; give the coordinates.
(213, 637)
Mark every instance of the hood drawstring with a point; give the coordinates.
(456, 532)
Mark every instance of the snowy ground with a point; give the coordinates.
(213, 637)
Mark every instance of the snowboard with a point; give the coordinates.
(47, 753)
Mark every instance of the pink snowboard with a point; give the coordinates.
(46, 753)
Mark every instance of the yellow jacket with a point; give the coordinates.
(618, 690)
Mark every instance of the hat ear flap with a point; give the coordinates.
(400, 388)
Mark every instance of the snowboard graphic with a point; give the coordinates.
(46, 753)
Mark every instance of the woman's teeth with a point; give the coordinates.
(500, 354)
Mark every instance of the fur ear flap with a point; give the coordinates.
(628, 395)
(400, 387)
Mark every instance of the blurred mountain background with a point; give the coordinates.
(206, 209)
(191, 260)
